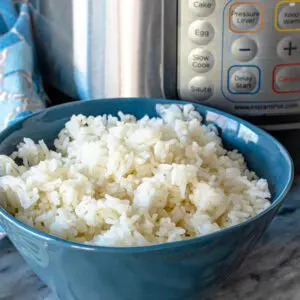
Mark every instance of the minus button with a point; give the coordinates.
(244, 49)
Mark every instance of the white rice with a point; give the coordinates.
(126, 182)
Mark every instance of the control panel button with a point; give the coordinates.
(289, 16)
(243, 81)
(244, 49)
(287, 78)
(245, 16)
(289, 48)
(200, 88)
(201, 60)
(202, 8)
(201, 32)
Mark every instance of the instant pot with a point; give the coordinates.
(239, 56)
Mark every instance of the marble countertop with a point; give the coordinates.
(271, 271)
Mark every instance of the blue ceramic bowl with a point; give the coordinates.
(175, 271)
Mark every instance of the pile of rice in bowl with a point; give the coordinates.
(126, 182)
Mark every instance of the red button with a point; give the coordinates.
(286, 78)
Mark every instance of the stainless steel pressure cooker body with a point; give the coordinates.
(240, 56)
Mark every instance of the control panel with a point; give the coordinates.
(241, 56)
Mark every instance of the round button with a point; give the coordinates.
(245, 16)
(200, 88)
(288, 79)
(202, 8)
(243, 81)
(244, 49)
(201, 60)
(289, 48)
(201, 32)
(289, 16)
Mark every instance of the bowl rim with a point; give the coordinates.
(153, 247)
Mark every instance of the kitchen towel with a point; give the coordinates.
(21, 89)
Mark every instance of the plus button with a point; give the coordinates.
(290, 48)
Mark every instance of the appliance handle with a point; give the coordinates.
(2, 233)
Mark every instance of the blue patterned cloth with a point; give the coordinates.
(21, 89)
